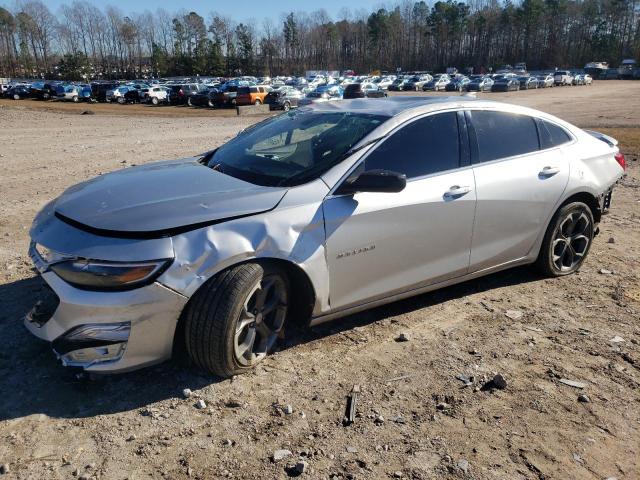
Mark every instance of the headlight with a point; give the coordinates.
(98, 275)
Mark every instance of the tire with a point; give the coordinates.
(210, 104)
(223, 333)
(16, 96)
(572, 227)
(154, 101)
(75, 99)
(189, 102)
(45, 96)
(121, 100)
(287, 106)
(257, 102)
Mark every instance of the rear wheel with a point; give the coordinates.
(189, 102)
(567, 240)
(257, 102)
(75, 99)
(16, 96)
(287, 106)
(154, 100)
(235, 320)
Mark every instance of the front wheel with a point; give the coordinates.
(154, 101)
(257, 102)
(567, 240)
(235, 319)
(287, 106)
(75, 99)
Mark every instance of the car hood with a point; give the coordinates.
(162, 198)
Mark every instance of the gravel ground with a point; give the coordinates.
(415, 418)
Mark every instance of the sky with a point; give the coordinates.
(238, 11)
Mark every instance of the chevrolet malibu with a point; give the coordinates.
(306, 217)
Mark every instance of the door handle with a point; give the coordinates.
(548, 171)
(457, 191)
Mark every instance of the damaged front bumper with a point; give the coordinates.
(106, 332)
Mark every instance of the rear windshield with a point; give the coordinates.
(293, 148)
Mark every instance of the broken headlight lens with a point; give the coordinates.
(99, 275)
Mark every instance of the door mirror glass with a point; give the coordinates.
(374, 181)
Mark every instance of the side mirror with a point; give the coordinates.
(382, 181)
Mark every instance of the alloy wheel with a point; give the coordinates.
(261, 320)
(571, 241)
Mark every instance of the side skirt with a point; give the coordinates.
(416, 291)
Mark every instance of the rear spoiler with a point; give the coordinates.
(612, 142)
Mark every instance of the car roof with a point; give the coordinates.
(390, 106)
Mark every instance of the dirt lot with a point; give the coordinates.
(415, 418)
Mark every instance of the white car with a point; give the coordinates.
(384, 83)
(157, 95)
(545, 81)
(562, 77)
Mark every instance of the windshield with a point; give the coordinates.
(293, 148)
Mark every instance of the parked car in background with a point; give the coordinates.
(252, 95)
(479, 83)
(384, 83)
(545, 81)
(283, 98)
(582, 79)
(417, 82)
(318, 97)
(363, 90)
(19, 92)
(527, 82)
(117, 93)
(44, 91)
(225, 96)
(505, 84)
(205, 98)
(134, 95)
(398, 85)
(157, 95)
(292, 220)
(438, 82)
(100, 90)
(626, 68)
(189, 90)
(458, 84)
(562, 77)
(69, 93)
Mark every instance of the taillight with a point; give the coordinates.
(180, 92)
(621, 161)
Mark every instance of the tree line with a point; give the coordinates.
(81, 40)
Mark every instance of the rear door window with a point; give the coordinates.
(426, 146)
(502, 134)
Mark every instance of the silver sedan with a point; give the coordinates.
(310, 216)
